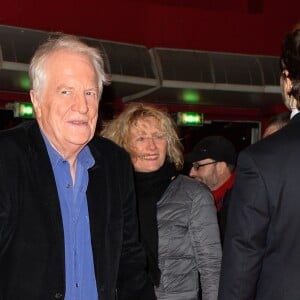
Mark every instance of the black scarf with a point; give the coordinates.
(149, 190)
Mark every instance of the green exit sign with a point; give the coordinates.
(23, 109)
(189, 119)
(26, 110)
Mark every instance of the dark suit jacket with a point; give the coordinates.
(261, 258)
(222, 214)
(31, 232)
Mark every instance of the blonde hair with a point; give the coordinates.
(118, 130)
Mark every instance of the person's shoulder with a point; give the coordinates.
(262, 154)
(16, 135)
(192, 186)
(194, 191)
(285, 137)
(105, 146)
(13, 131)
(99, 141)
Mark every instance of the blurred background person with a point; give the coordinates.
(213, 161)
(178, 222)
(262, 241)
(276, 123)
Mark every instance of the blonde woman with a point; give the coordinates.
(177, 215)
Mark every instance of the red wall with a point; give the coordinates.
(238, 26)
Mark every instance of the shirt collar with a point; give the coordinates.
(85, 156)
(294, 112)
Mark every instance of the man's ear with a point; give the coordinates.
(35, 102)
(221, 166)
(287, 80)
(289, 84)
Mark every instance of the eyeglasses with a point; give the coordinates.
(156, 137)
(196, 165)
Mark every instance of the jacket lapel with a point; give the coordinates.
(98, 205)
(45, 184)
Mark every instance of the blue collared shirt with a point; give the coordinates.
(80, 275)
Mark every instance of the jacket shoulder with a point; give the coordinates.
(17, 138)
(100, 146)
(192, 187)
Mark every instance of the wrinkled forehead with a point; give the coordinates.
(145, 125)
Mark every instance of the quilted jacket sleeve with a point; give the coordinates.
(206, 243)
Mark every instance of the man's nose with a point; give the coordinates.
(81, 104)
(192, 172)
(151, 143)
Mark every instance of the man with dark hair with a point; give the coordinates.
(261, 250)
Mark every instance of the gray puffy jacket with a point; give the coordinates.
(189, 242)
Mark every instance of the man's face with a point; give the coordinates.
(206, 173)
(67, 106)
(148, 145)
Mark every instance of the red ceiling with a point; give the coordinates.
(237, 26)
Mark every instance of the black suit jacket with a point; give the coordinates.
(31, 232)
(261, 258)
